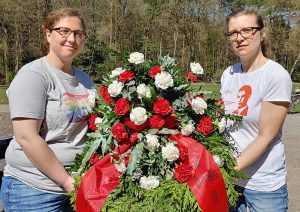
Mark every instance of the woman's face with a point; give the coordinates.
(246, 39)
(62, 45)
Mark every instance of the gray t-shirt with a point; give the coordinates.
(41, 91)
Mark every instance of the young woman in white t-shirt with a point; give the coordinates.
(258, 89)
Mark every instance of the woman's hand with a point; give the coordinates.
(69, 184)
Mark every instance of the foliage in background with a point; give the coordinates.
(3, 97)
(187, 30)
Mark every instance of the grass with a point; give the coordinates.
(3, 97)
(213, 88)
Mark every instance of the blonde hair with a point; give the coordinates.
(265, 45)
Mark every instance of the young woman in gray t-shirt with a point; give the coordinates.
(48, 102)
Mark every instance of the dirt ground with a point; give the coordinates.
(291, 139)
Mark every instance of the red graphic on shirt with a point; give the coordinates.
(244, 95)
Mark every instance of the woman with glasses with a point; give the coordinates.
(258, 89)
(48, 101)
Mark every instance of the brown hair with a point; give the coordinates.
(56, 15)
(265, 45)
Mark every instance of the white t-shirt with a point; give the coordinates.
(243, 94)
(41, 91)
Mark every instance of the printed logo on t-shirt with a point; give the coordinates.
(77, 106)
(244, 95)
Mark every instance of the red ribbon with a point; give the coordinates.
(207, 185)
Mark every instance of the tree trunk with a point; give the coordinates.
(5, 58)
(294, 65)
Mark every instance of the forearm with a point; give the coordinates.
(271, 120)
(45, 160)
(252, 152)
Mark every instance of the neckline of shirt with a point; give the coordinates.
(60, 73)
(254, 71)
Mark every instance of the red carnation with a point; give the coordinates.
(126, 76)
(190, 76)
(171, 122)
(134, 137)
(184, 172)
(92, 119)
(155, 70)
(119, 132)
(183, 152)
(103, 92)
(205, 126)
(130, 124)
(94, 158)
(156, 122)
(220, 101)
(121, 107)
(162, 106)
(126, 161)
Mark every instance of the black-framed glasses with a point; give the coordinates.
(66, 32)
(246, 33)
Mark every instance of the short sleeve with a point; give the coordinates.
(27, 95)
(279, 87)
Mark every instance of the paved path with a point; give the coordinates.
(291, 135)
(292, 148)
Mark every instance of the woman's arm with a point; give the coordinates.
(36, 149)
(272, 116)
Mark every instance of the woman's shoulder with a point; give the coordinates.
(35, 66)
(276, 70)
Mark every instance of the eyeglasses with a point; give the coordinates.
(66, 32)
(246, 33)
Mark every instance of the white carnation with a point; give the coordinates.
(152, 141)
(163, 80)
(98, 121)
(138, 115)
(116, 72)
(120, 167)
(170, 152)
(219, 161)
(149, 182)
(136, 58)
(196, 68)
(115, 88)
(188, 129)
(143, 90)
(199, 105)
(92, 98)
(222, 125)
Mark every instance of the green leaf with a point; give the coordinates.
(94, 135)
(135, 154)
(94, 146)
(148, 101)
(166, 131)
(153, 93)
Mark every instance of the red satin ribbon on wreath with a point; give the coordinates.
(207, 185)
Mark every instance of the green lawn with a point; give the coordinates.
(3, 98)
(213, 88)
